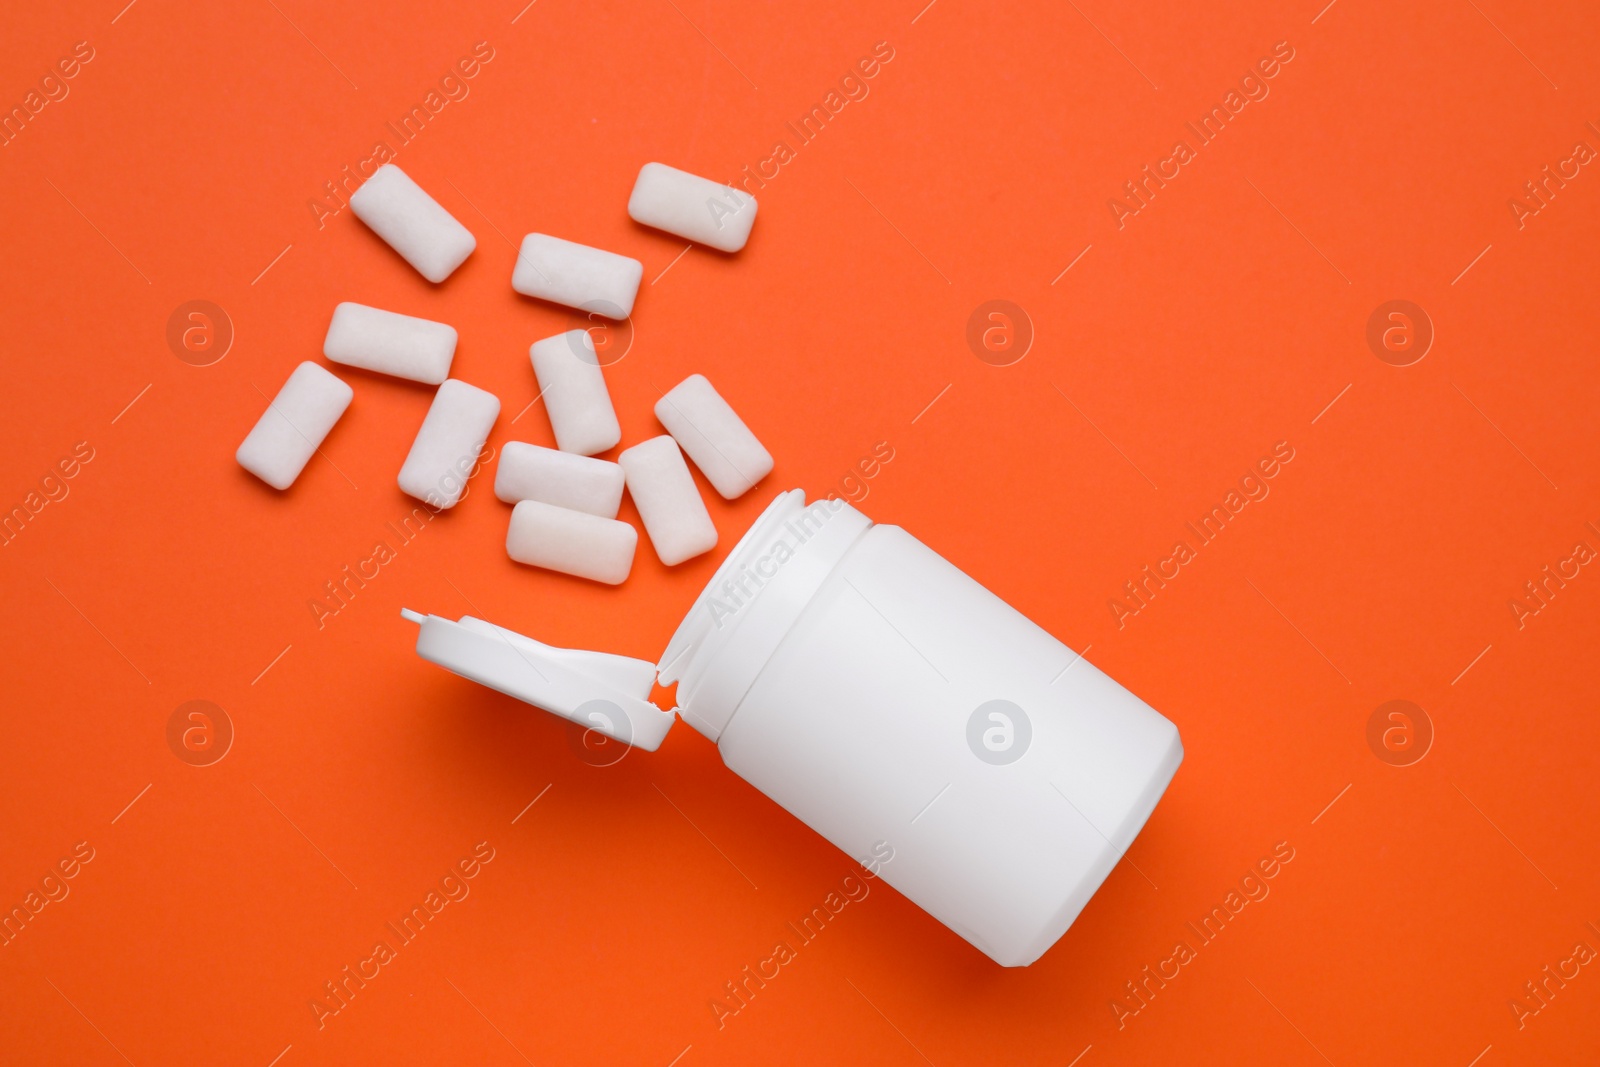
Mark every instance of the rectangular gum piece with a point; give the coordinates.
(294, 425)
(413, 223)
(572, 542)
(390, 343)
(694, 208)
(669, 502)
(447, 446)
(574, 391)
(565, 272)
(718, 441)
(531, 472)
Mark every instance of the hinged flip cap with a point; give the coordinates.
(597, 690)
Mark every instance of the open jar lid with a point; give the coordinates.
(597, 690)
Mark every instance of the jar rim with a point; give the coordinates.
(751, 603)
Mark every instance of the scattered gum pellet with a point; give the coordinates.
(695, 208)
(390, 343)
(294, 425)
(572, 542)
(669, 503)
(567, 480)
(413, 223)
(574, 392)
(565, 272)
(448, 444)
(714, 436)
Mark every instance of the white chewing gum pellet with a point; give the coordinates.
(293, 425)
(695, 208)
(449, 443)
(663, 490)
(390, 343)
(718, 441)
(426, 235)
(572, 542)
(567, 480)
(574, 391)
(589, 279)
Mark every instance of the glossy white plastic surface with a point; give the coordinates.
(914, 719)
(861, 722)
(597, 690)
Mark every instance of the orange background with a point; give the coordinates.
(1222, 318)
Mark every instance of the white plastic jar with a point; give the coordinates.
(890, 702)
(902, 710)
